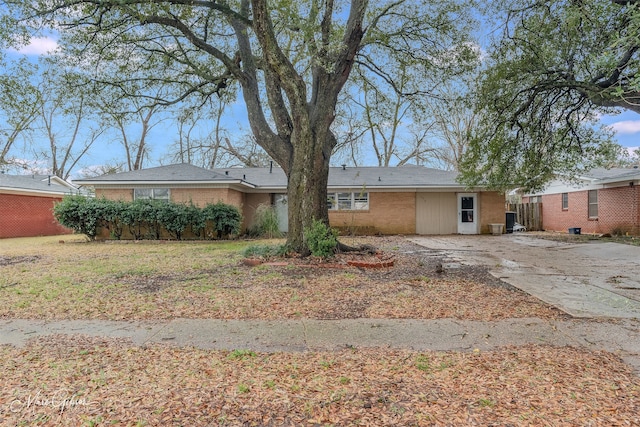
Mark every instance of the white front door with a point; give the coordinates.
(282, 211)
(467, 213)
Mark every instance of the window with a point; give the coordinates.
(467, 209)
(151, 194)
(344, 201)
(565, 201)
(593, 203)
(348, 201)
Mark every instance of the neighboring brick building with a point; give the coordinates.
(366, 200)
(604, 201)
(26, 205)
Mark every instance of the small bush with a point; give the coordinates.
(265, 251)
(145, 218)
(174, 217)
(266, 223)
(226, 219)
(197, 220)
(111, 217)
(79, 213)
(321, 240)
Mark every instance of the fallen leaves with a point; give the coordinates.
(208, 280)
(107, 381)
(77, 380)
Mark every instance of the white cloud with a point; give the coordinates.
(626, 127)
(39, 46)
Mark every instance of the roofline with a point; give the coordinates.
(384, 187)
(620, 179)
(90, 183)
(275, 187)
(22, 191)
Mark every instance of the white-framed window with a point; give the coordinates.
(593, 203)
(565, 201)
(348, 201)
(151, 194)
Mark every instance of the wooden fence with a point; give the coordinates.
(528, 214)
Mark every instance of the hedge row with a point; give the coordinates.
(147, 219)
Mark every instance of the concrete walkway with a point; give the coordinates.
(583, 280)
(622, 337)
(586, 280)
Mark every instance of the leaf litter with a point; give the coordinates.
(78, 380)
(111, 381)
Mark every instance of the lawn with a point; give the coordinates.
(76, 380)
(147, 280)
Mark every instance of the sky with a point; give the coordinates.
(626, 124)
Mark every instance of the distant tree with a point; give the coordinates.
(124, 109)
(65, 119)
(245, 152)
(556, 68)
(291, 60)
(453, 122)
(20, 102)
(386, 113)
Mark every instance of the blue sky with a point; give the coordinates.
(626, 124)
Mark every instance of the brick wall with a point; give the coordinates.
(492, 210)
(28, 216)
(202, 196)
(618, 210)
(124, 194)
(389, 213)
(251, 203)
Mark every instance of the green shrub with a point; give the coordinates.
(197, 220)
(79, 213)
(110, 216)
(145, 218)
(138, 216)
(266, 222)
(321, 240)
(265, 251)
(173, 217)
(225, 219)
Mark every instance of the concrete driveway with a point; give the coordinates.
(589, 280)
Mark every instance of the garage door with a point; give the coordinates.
(436, 213)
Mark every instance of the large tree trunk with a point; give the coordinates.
(301, 114)
(307, 190)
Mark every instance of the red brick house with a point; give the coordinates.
(602, 201)
(367, 200)
(26, 205)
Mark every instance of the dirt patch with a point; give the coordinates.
(413, 260)
(4, 261)
(149, 283)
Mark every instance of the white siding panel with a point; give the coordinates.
(436, 213)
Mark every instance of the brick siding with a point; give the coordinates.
(251, 203)
(28, 216)
(389, 213)
(123, 194)
(492, 210)
(618, 211)
(203, 196)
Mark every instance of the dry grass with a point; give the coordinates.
(81, 280)
(111, 382)
(76, 380)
